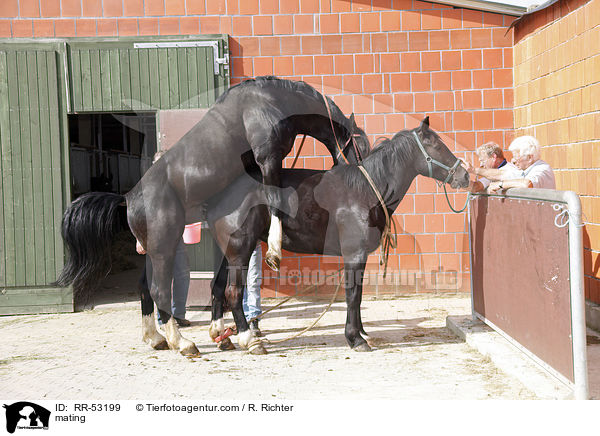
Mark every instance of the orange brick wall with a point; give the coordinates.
(390, 62)
(557, 99)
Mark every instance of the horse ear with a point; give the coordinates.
(425, 121)
(352, 120)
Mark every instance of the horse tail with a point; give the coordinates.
(88, 228)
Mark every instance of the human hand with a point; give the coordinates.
(469, 167)
(495, 186)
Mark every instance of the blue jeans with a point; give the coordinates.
(251, 301)
(181, 281)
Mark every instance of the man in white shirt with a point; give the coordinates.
(527, 169)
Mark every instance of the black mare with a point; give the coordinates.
(334, 212)
(252, 125)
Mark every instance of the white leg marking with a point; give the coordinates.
(274, 239)
(176, 341)
(149, 332)
(216, 328)
(245, 338)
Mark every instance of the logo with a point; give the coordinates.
(25, 415)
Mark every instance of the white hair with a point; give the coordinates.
(526, 145)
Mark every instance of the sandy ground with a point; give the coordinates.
(98, 354)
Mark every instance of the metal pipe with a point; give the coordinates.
(578, 327)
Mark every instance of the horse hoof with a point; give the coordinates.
(226, 345)
(364, 347)
(272, 261)
(257, 349)
(190, 350)
(160, 345)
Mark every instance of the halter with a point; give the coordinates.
(451, 170)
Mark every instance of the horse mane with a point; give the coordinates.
(297, 86)
(395, 153)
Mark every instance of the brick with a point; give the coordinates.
(311, 44)
(71, 8)
(290, 45)
(397, 42)
(22, 28)
(86, 27)
(472, 18)
(248, 7)
(190, 25)
(175, 7)
(462, 121)
(439, 40)
(390, 63)
(404, 102)
(418, 41)
(111, 8)
(482, 79)
(154, 7)
(493, 20)
(370, 22)
(303, 65)
(208, 24)
(420, 81)
(129, 26)
(441, 81)
(431, 20)
(460, 39)
(303, 24)
(329, 23)
(41, 28)
(383, 104)
(263, 66)
(242, 67)
(390, 21)
(349, 23)
(104, 27)
(400, 82)
(197, 7)
(148, 26)
(363, 104)
(502, 78)
(219, 7)
(10, 8)
(323, 64)
(262, 25)
(352, 43)
(49, 8)
(444, 101)
(63, 28)
(452, 19)
(451, 60)
(424, 102)
(410, 62)
(492, 98)
(492, 58)
(411, 20)
(364, 63)
(283, 24)
(483, 119)
(241, 25)
(375, 124)
(379, 42)
(499, 38)
(269, 46)
(28, 9)
(445, 244)
(170, 26)
(503, 119)
(331, 44)
(430, 61)
(289, 7)
(283, 66)
(471, 59)
(461, 79)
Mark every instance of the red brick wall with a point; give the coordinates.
(557, 99)
(390, 62)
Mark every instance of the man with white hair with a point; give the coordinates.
(527, 169)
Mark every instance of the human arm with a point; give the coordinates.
(513, 183)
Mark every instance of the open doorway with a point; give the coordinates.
(110, 152)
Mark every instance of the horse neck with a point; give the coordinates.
(397, 175)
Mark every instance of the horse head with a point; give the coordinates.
(437, 160)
